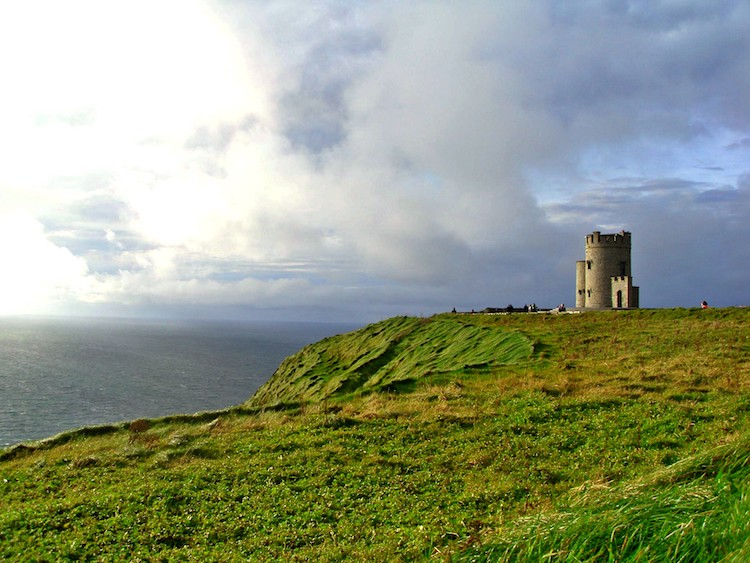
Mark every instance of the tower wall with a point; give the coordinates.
(624, 295)
(581, 283)
(607, 257)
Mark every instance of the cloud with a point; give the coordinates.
(684, 242)
(348, 159)
(740, 144)
(36, 273)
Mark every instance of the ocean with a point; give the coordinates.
(60, 374)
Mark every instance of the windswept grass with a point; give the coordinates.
(389, 354)
(601, 436)
(695, 510)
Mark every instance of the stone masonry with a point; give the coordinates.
(604, 279)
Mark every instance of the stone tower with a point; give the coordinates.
(604, 279)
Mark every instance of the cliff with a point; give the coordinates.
(604, 435)
(391, 355)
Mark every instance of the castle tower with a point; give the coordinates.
(604, 279)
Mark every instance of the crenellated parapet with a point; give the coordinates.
(617, 239)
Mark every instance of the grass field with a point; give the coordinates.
(620, 436)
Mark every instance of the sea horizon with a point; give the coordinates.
(59, 373)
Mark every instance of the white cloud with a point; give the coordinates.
(376, 157)
(37, 275)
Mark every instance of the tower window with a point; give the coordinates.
(623, 266)
(588, 264)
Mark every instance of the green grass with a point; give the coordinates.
(601, 436)
(695, 510)
(388, 355)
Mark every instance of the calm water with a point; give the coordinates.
(57, 375)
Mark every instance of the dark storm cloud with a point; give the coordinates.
(425, 118)
(684, 240)
(315, 110)
(401, 157)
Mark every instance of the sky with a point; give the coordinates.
(351, 161)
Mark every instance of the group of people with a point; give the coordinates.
(561, 307)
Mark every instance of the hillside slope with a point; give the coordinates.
(388, 355)
(616, 436)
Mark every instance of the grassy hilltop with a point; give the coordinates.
(599, 436)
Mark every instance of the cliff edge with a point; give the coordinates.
(390, 355)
